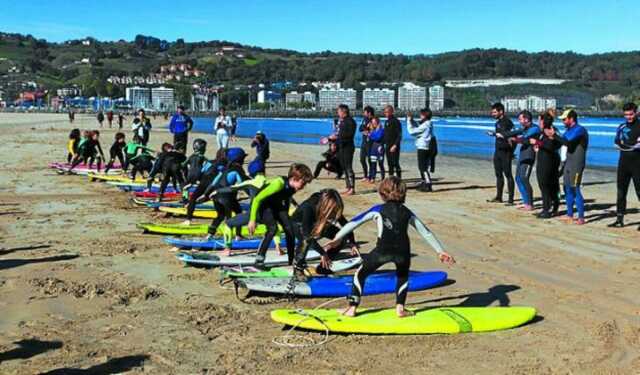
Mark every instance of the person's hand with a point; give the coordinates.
(325, 262)
(498, 135)
(331, 245)
(251, 227)
(491, 133)
(393, 149)
(447, 259)
(532, 141)
(355, 250)
(332, 137)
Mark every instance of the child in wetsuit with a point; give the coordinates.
(393, 219)
(192, 167)
(117, 151)
(271, 206)
(376, 150)
(209, 171)
(226, 204)
(90, 151)
(261, 144)
(138, 156)
(169, 163)
(312, 220)
(330, 162)
(72, 145)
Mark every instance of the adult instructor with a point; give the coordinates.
(392, 139)
(180, 126)
(503, 154)
(344, 139)
(222, 127)
(628, 141)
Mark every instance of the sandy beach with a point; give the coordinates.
(81, 289)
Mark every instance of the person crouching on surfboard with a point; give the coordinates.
(393, 219)
(314, 219)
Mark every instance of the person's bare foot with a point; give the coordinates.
(402, 312)
(347, 192)
(349, 311)
(226, 252)
(566, 219)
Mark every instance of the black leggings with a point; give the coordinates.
(180, 141)
(628, 170)
(424, 163)
(393, 161)
(364, 158)
(502, 167)
(270, 217)
(376, 259)
(225, 207)
(549, 183)
(112, 159)
(171, 172)
(345, 155)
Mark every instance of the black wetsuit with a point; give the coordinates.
(547, 166)
(116, 152)
(330, 163)
(192, 168)
(170, 165)
(627, 137)
(393, 246)
(91, 152)
(364, 146)
(346, 149)
(262, 148)
(208, 172)
(393, 137)
(502, 157)
(303, 222)
(270, 207)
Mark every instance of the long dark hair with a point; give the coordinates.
(329, 208)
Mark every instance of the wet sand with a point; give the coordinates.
(82, 288)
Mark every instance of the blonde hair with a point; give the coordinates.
(329, 208)
(300, 171)
(392, 189)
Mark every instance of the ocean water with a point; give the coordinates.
(459, 136)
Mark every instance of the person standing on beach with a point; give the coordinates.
(344, 139)
(234, 127)
(422, 131)
(576, 138)
(628, 141)
(180, 126)
(547, 166)
(72, 116)
(503, 154)
(142, 127)
(527, 156)
(367, 115)
(392, 139)
(110, 118)
(100, 118)
(222, 128)
(120, 120)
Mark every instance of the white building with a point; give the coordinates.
(293, 97)
(436, 98)
(378, 98)
(411, 97)
(531, 103)
(205, 102)
(310, 97)
(162, 99)
(140, 97)
(330, 99)
(69, 91)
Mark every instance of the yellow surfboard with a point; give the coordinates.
(181, 211)
(93, 176)
(447, 320)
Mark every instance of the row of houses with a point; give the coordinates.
(409, 97)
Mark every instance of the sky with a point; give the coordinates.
(377, 26)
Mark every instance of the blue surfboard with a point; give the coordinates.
(340, 286)
(218, 243)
